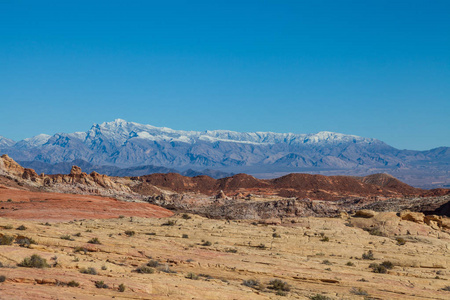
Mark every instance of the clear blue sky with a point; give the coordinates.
(377, 69)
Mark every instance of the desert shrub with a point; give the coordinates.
(319, 297)
(101, 285)
(2, 278)
(94, 241)
(261, 246)
(121, 216)
(446, 288)
(169, 223)
(186, 216)
(153, 263)
(185, 236)
(192, 276)
(359, 291)
(387, 264)
(231, 250)
(400, 241)
(374, 231)
(253, 283)
(121, 287)
(73, 283)
(350, 264)
(145, 270)
(35, 261)
(279, 285)
(88, 230)
(276, 235)
(80, 249)
(78, 234)
(326, 262)
(66, 237)
(368, 255)
(166, 269)
(6, 240)
(90, 271)
(8, 227)
(281, 293)
(24, 241)
(9, 200)
(206, 243)
(376, 268)
(104, 268)
(130, 232)
(325, 239)
(21, 227)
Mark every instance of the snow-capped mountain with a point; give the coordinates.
(127, 144)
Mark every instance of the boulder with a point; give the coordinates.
(365, 213)
(416, 217)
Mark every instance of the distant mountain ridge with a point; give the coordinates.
(124, 145)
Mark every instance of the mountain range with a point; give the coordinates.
(127, 148)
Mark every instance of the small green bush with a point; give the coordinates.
(186, 216)
(192, 276)
(21, 227)
(279, 285)
(368, 255)
(73, 283)
(94, 241)
(24, 241)
(376, 268)
(121, 287)
(101, 285)
(145, 270)
(327, 262)
(66, 237)
(169, 223)
(253, 283)
(325, 239)
(153, 263)
(359, 291)
(350, 264)
(77, 234)
(6, 240)
(35, 261)
(90, 271)
(130, 232)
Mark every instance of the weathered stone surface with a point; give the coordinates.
(365, 213)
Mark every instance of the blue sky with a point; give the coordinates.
(377, 69)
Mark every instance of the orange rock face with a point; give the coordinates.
(42, 206)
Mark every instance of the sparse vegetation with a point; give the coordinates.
(8, 227)
(153, 263)
(206, 243)
(24, 241)
(6, 240)
(327, 262)
(359, 291)
(186, 216)
(279, 285)
(276, 235)
(192, 276)
(145, 270)
(400, 241)
(22, 227)
(35, 261)
(185, 236)
(231, 250)
(166, 269)
(368, 255)
(80, 249)
(261, 246)
(169, 223)
(325, 239)
(2, 278)
(101, 285)
(78, 234)
(73, 283)
(130, 232)
(94, 241)
(253, 283)
(90, 271)
(446, 288)
(121, 287)
(66, 237)
(376, 268)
